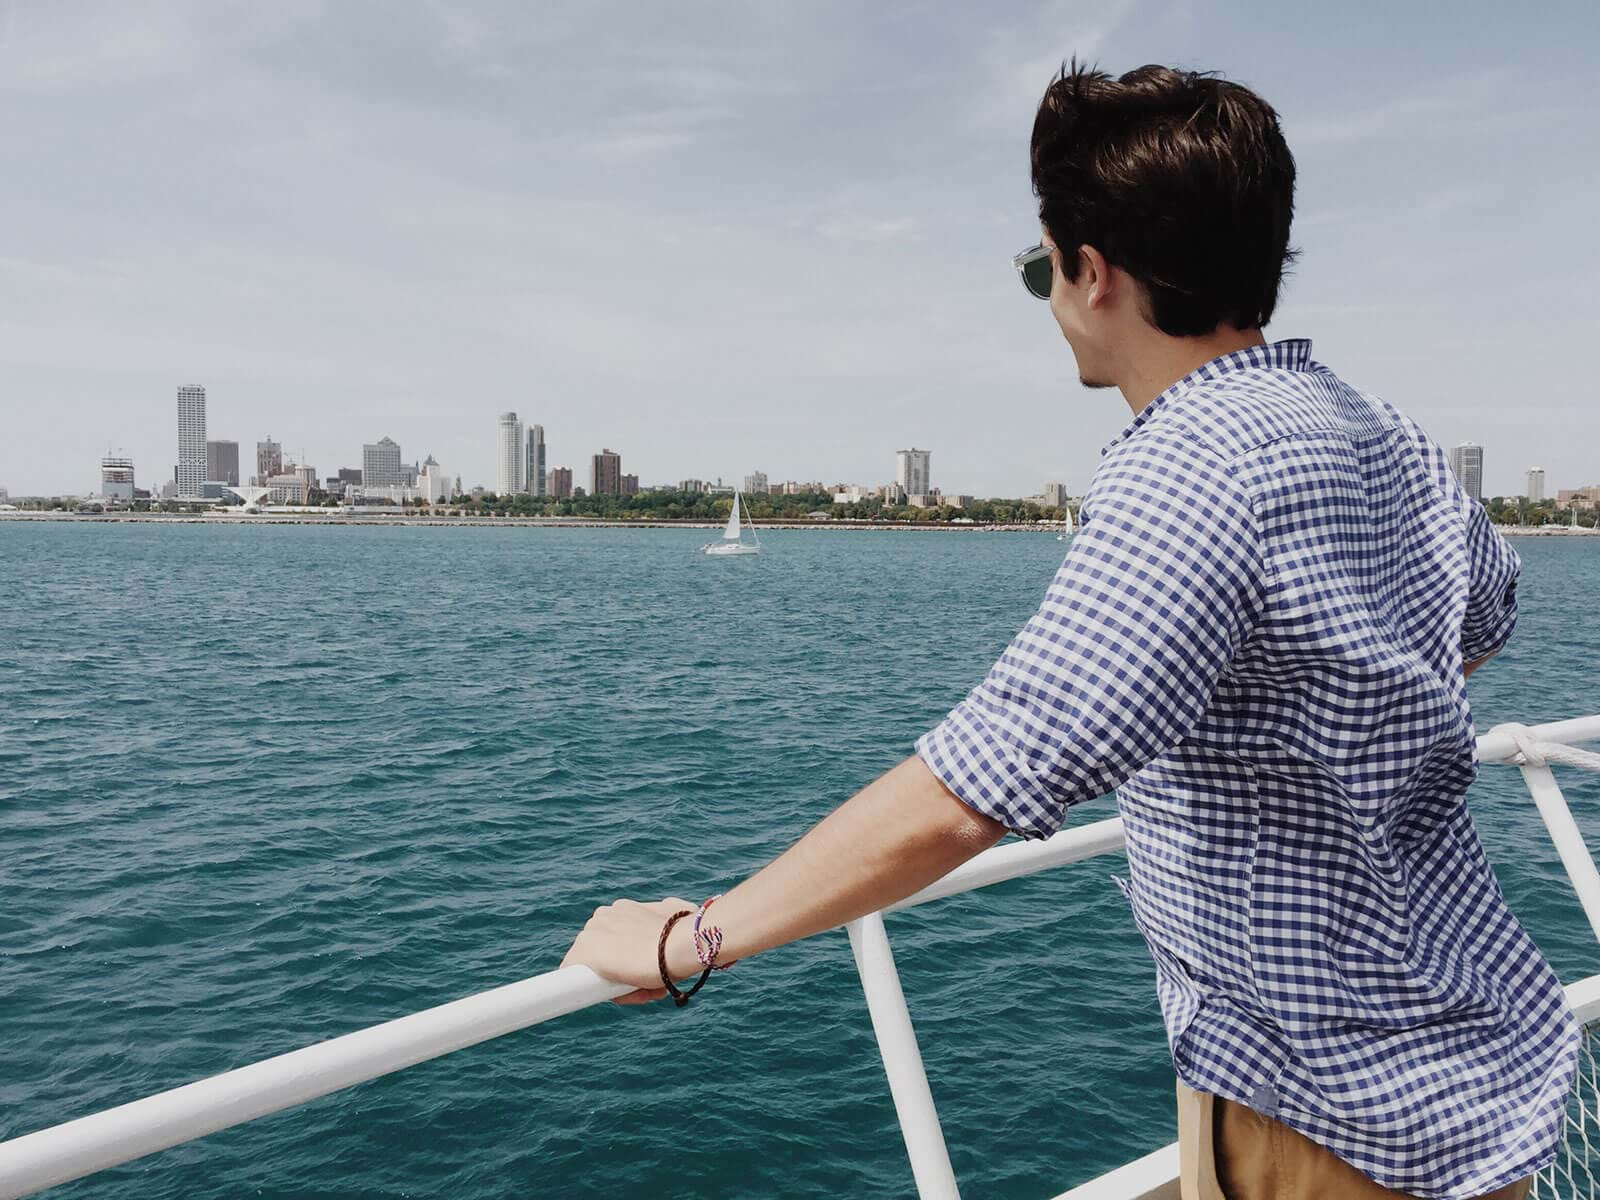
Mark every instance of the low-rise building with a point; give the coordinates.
(116, 479)
(1583, 499)
(286, 487)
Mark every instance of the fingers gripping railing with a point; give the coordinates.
(77, 1148)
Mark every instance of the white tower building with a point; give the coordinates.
(191, 469)
(510, 464)
(1535, 484)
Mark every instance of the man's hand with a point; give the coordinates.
(621, 942)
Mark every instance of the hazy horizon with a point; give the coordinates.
(739, 238)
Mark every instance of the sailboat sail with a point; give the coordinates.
(731, 533)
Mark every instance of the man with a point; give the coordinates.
(1260, 638)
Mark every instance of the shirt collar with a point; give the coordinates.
(1291, 354)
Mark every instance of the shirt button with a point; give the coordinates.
(1264, 1099)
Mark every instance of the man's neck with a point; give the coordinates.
(1161, 361)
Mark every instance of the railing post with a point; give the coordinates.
(1569, 842)
(902, 1061)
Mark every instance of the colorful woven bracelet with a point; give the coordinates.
(708, 942)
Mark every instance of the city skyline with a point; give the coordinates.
(370, 245)
(521, 468)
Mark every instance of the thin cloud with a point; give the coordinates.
(860, 229)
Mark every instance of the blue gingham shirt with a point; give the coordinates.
(1257, 639)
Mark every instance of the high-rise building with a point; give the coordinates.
(1466, 460)
(116, 478)
(432, 482)
(755, 483)
(605, 474)
(269, 460)
(510, 466)
(533, 480)
(222, 463)
(691, 485)
(380, 464)
(629, 485)
(1055, 494)
(1535, 484)
(348, 477)
(913, 469)
(190, 471)
(561, 483)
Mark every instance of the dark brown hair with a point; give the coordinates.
(1180, 178)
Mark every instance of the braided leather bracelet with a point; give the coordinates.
(678, 998)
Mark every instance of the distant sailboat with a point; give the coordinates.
(1066, 523)
(733, 536)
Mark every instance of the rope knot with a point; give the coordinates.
(1530, 750)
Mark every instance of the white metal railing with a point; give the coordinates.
(81, 1147)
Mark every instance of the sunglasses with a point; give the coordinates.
(1033, 264)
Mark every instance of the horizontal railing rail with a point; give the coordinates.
(80, 1147)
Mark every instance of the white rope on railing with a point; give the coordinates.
(1534, 752)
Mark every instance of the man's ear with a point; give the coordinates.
(1094, 276)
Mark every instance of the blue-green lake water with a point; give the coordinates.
(260, 786)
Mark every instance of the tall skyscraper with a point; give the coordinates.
(1535, 484)
(1466, 460)
(222, 463)
(605, 474)
(269, 460)
(380, 463)
(629, 485)
(1055, 494)
(533, 480)
(510, 466)
(190, 472)
(433, 482)
(755, 483)
(116, 478)
(561, 483)
(913, 471)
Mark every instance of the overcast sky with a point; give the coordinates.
(727, 237)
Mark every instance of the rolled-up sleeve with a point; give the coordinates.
(1159, 589)
(1493, 568)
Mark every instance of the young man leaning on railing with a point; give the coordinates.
(1260, 639)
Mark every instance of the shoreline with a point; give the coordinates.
(392, 519)
(337, 520)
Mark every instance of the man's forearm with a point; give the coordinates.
(1470, 665)
(894, 837)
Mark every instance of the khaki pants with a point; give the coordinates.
(1229, 1152)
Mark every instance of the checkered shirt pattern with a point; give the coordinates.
(1256, 638)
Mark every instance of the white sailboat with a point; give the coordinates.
(1066, 523)
(733, 536)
